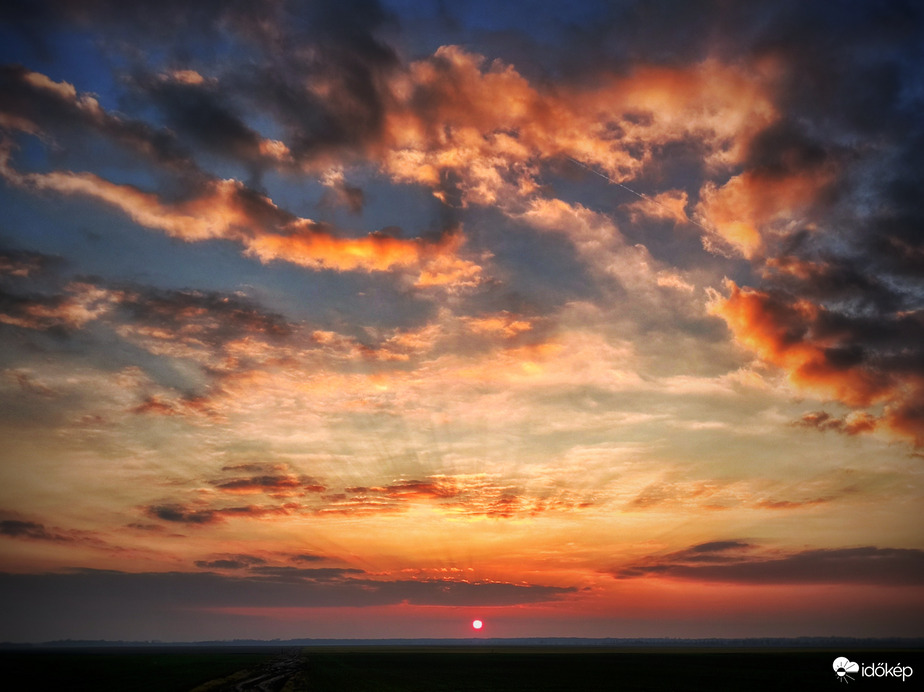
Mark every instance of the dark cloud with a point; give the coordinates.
(154, 528)
(183, 514)
(744, 563)
(231, 562)
(35, 294)
(823, 421)
(336, 47)
(276, 485)
(27, 529)
(785, 148)
(276, 50)
(859, 89)
(44, 603)
(34, 297)
(843, 287)
(127, 24)
(268, 483)
(206, 316)
(318, 574)
(32, 100)
(35, 311)
(411, 489)
(202, 113)
(306, 557)
(713, 547)
(341, 194)
(20, 264)
(859, 357)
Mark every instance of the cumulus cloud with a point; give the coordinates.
(487, 123)
(318, 68)
(750, 206)
(670, 205)
(198, 109)
(852, 357)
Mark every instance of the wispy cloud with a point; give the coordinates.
(227, 209)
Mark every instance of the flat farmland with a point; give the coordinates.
(559, 669)
(435, 668)
(143, 669)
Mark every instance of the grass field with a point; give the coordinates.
(435, 669)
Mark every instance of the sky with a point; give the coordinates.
(367, 319)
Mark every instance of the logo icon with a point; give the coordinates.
(843, 666)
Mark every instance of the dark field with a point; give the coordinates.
(449, 668)
(149, 669)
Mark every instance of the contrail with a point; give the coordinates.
(637, 194)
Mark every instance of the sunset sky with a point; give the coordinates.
(368, 319)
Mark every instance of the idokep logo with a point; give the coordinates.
(844, 666)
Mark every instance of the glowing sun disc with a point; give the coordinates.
(477, 624)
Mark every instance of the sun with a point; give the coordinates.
(477, 624)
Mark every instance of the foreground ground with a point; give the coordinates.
(436, 668)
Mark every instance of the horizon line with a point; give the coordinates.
(769, 642)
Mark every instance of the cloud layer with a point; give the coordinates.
(301, 301)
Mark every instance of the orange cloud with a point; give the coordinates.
(751, 204)
(274, 485)
(465, 495)
(82, 303)
(782, 334)
(217, 213)
(488, 123)
(64, 91)
(503, 324)
(669, 206)
(308, 245)
(798, 337)
(906, 417)
(853, 424)
(227, 209)
(194, 515)
(597, 240)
